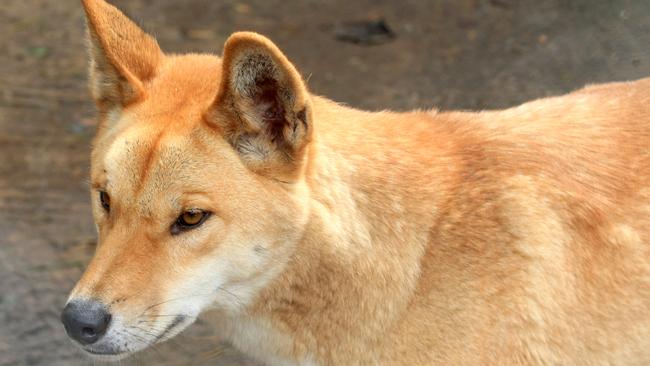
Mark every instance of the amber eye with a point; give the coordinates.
(189, 219)
(105, 200)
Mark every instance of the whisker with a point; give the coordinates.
(174, 299)
(237, 299)
(137, 337)
(162, 315)
(149, 332)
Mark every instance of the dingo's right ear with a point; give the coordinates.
(263, 107)
(122, 56)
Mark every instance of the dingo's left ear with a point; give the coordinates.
(263, 107)
(122, 56)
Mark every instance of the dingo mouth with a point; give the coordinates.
(100, 333)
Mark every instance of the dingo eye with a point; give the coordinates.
(105, 200)
(189, 219)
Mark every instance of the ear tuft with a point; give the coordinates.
(122, 55)
(263, 105)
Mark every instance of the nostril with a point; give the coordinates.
(88, 332)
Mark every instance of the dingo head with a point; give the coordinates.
(197, 182)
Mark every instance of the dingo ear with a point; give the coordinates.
(122, 56)
(263, 106)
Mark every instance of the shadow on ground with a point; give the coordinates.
(468, 54)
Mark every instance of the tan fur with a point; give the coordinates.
(509, 237)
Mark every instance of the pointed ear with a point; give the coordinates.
(263, 107)
(122, 56)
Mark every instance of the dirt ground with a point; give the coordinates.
(468, 54)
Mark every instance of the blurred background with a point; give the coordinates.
(373, 54)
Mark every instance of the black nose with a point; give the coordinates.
(85, 321)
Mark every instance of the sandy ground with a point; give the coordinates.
(466, 54)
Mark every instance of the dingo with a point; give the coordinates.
(321, 234)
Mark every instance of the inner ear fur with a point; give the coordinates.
(263, 106)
